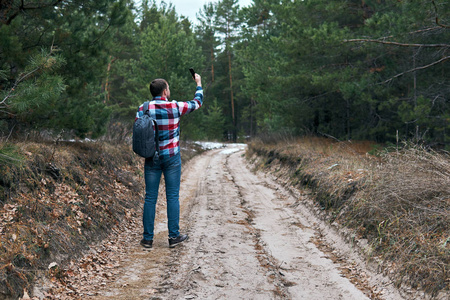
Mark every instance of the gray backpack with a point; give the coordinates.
(146, 135)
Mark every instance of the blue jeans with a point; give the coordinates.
(171, 167)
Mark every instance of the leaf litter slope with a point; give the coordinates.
(249, 239)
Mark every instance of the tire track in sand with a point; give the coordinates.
(249, 239)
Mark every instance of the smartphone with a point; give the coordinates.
(192, 72)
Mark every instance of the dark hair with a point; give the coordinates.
(157, 86)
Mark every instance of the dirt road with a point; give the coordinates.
(249, 239)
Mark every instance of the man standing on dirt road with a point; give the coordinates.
(167, 115)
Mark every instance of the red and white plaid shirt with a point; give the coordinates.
(167, 115)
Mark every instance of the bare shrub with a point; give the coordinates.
(118, 133)
(274, 138)
(406, 212)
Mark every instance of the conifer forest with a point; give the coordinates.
(349, 69)
(324, 131)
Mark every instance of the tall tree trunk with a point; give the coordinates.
(348, 121)
(252, 103)
(108, 70)
(232, 98)
(415, 91)
(212, 64)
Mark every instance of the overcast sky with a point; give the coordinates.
(189, 8)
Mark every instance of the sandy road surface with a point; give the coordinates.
(249, 239)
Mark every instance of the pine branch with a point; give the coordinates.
(398, 44)
(8, 6)
(416, 69)
(18, 81)
(101, 35)
(413, 32)
(24, 77)
(438, 22)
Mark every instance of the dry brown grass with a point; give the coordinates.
(59, 198)
(406, 212)
(399, 201)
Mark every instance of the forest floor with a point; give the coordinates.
(250, 237)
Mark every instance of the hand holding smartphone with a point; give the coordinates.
(198, 80)
(192, 72)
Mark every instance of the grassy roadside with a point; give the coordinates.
(398, 201)
(57, 199)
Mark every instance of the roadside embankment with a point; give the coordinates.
(56, 199)
(398, 201)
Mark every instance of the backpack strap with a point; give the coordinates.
(146, 103)
(155, 126)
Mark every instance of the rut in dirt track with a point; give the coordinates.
(249, 239)
(247, 243)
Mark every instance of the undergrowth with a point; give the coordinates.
(58, 199)
(399, 201)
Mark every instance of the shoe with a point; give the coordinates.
(147, 243)
(174, 241)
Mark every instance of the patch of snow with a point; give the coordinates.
(229, 151)
(233, 148)
(210, 145)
